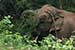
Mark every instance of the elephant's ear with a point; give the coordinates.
(60, 13)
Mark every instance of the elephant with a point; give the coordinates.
(58, 21)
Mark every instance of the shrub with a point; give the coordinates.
(10, 40)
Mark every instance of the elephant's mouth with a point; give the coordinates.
(43, 27)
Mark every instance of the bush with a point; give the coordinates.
(52, 43)
(10, 40)
(27, 22)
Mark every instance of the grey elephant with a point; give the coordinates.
(58, 21)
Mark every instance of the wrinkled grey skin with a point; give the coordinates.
(64, 22)
(45, 21)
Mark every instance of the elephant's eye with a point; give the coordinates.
(42, 18)
(49, 20)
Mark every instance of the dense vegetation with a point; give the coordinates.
(16, 26)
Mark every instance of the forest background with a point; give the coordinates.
(16, 26)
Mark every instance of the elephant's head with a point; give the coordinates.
(46, 15)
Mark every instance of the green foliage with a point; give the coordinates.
(16, 7)
(14, 41)
(5, 24)
(27, 22)
(8, 39)
(10, 34)
(53, 43)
